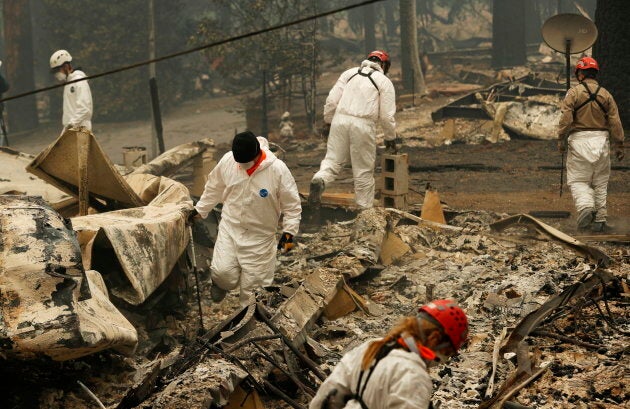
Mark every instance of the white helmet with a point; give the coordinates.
(59, 58)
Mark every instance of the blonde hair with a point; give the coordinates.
(407, 325)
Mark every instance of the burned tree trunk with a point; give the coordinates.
(369, 28)
(413, 79)
(508, 33)
(18, 36)
(533, 23)
(390, 22)
(611, 51)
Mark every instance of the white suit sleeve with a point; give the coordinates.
(290, 203)
(213, 191)
(387, 109)
(334, 96)
(334, 388)
(83, 110)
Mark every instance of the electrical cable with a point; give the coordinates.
(195, 49)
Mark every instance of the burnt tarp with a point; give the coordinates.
(136, 249)
(58, 165)
(49, 304)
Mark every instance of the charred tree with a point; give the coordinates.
(611, 51)
(413, 80)
(508, 33)
(369, 28)
(18, 36)
(390, 21)
(533, 23)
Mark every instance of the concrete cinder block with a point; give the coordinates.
(395, 201)
(395, 174)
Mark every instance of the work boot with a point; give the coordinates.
(315, 194)
(217, 293)
(600, 227)
(584, 219)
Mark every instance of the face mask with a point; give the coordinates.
(60, 76)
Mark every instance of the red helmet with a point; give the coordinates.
(451, 317)
(383, 57)
(586, 63)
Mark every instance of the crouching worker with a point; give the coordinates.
(256, 188)
(392, 372)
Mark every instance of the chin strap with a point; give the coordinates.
(410, 343)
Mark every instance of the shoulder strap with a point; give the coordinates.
(358, 396)
(368, 75)
(592, 97)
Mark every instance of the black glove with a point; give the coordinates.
(619, 152)
(391, 145)
(286, 242)
(192, 215)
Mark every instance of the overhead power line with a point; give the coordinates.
(195, 49)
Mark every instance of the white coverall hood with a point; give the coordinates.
(400, 381)
(245, 251)
(77, 102)
(371, 64)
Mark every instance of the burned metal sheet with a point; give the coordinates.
(136, 249)
(529, 119)
(158, 190)
(58, 165)
(16, 181)
(173, 159)
(532, 320)
(596, 255)
(49, 305)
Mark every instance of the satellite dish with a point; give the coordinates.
(569, 34)
(574, 30)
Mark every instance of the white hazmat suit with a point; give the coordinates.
(77, 102)
(400, 380)
(354, 106)
(245, 250)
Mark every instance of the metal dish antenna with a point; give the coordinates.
(569, 34)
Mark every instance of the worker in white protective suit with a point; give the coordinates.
(362, 97)
(77, 97)
(256, 188)
(286, 126)
(392, 372)
(589, 119)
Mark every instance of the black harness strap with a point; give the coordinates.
(358, 395)
(368, 75)
(592, 97)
